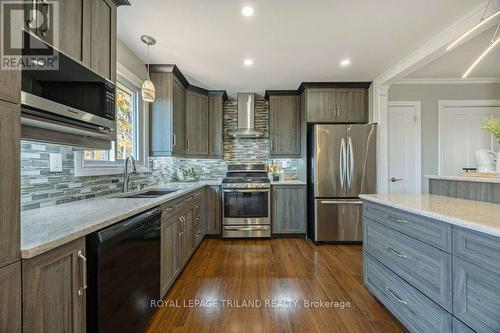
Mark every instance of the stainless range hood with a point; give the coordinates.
(246, 117)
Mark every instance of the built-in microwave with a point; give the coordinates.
(71, 98)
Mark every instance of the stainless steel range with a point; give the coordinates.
(246, 201)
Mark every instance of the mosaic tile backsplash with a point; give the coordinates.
(42, 188)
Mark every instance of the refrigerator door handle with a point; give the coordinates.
(342, 159)
(350, 161)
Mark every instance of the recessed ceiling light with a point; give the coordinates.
(345, 62)
(247, 11)
(248, 62)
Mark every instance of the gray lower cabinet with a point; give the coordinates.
(196, 124)
(53, 290)
(289, 209)
(285, 126)
(459, 327)
(213, 210)
(10, 300)
(170, 265)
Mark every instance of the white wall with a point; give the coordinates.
(429, 95)
(128, 59)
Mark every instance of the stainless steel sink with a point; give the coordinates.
(149, 194)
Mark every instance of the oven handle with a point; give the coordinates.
(247, 191)
(246, 228)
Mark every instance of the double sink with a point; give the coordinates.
(148, 194)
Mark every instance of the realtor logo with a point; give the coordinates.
(29, 35)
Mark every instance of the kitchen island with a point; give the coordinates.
(434, 261)
(466, 187)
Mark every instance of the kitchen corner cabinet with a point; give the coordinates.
(196, 124)
(213, 209)
(10, 301)
(103, 38)
(215, 126)
(10, 128)
(289, 209)
(336, 105)
(285, 126)
(54, 290)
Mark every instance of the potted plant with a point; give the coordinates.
(275, 171)
(493, 126)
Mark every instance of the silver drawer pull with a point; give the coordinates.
(393, 294)
(395, 219)
(390, 249)
(169, 209)
(81, 291)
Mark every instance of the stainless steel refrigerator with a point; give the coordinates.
(342, 165)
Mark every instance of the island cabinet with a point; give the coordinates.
(432, 275)
(289, 209)
(213, 210)
(337, 103)
(196, 123)
(284, 125)
(54, 290)
(215, 123)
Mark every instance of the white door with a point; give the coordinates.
(404, 147)
(461, 133)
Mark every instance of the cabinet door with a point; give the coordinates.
(213, 217)
(196, 124)
(10, 80)
(289, 209)
(189, 232)
(284, 126)
(352, 105)
(179, 118)
(74, 29)
(10, 128)
(215, 126)
(53, 292)
(10, 302)
(103, 38)
(169, 253)
(321, 105)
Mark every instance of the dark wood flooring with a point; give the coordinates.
(285, 270)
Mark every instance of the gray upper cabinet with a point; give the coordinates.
(289, 209)
(285, 126)
(196, 124)
(10, 80)
(103, 38)
(10, 302)
(53, 290)
(10, 128)
(341, 103)
(215, 126)
(213, 210)
(179, 118)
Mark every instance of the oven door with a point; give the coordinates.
(248, 206)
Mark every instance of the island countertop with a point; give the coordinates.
(465, 179)
(46, 228)
(475, 215)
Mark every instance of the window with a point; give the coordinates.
(131, 132)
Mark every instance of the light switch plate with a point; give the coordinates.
(55, 162)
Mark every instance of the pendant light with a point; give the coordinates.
(148, 88)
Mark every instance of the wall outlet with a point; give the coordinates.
(55, 162)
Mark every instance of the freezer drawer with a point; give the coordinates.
(338, 220)
(248, 231)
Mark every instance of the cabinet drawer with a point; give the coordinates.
(479, 248)
(417, 312)
(476, 296)
(427, 230)
(459, 327)
(426, 268)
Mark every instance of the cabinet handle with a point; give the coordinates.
(395, 219)
(81, 291)
(187, 144)
(272, 144)
(393, 294)
(390, 249)
(169, 209)
(187, 199)
(174, 138)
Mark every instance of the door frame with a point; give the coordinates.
(458, 103)
(417, 105)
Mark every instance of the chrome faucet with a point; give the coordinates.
(126, 175)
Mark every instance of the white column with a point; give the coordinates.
(380, 116)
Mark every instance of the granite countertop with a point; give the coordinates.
(470, 214)
(465, 179)
(288, 182)
(46, 228)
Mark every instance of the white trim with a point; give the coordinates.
(442, 104)
(379, 113)
(417, 105)
(448, 81)
(435, 47)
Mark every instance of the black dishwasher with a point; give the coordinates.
(124, 274)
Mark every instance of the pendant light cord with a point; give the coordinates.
(148, 64)
(485, 9)
(496, 33)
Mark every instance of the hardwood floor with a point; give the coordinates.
(283, 270)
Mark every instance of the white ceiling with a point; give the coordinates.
(454, 63)
(290, 41)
